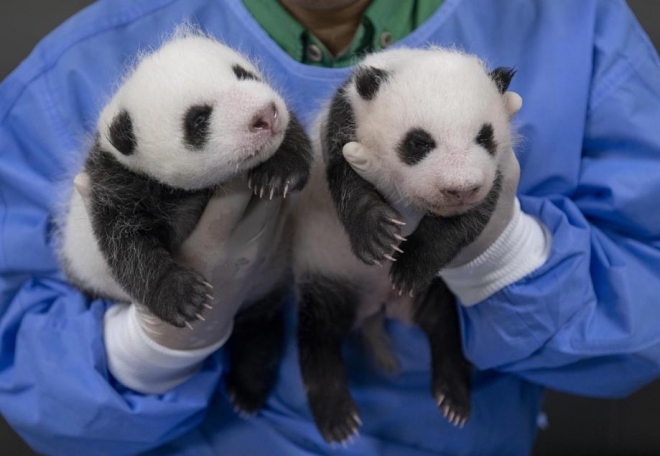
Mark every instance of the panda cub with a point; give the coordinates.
(189, 117)
(437, 123)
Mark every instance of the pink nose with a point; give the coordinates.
(264, 119)
(458, 196)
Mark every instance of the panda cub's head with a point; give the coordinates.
(193, 114)
(437, 123)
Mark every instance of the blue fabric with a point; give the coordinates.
(585, 322)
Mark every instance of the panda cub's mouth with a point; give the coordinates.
(444, 208)
(268, 147)
(259, 154)
(450, 210)
(455, 209)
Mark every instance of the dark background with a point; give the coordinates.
(575, 425)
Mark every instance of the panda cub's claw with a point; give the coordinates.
(409, 274)
(454, 403)
(339, 427)
(181, 297)
(243, 408)
(373, 233)
(272, 178)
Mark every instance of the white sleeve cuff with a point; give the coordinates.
(140, 363)
(523, 247)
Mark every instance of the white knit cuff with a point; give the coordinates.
(523, 247)
(140, 363)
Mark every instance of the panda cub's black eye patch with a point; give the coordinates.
(486, 138)
(415, 146)
(122, 136)
(242, 74)
(196, 126)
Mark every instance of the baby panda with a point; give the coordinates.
(437, 124)
(189, 117)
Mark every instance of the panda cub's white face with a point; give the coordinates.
(437, 123)
(193, 114)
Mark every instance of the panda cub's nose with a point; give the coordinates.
(457, 196)
(264, 119)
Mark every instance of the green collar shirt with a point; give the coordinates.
(384, 22)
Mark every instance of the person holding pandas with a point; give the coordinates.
(559, 290)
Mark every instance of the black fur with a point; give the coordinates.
(289, 166)
(243, 74)
(502, 77)
(255, 350)
(138, 222)
(368, 80)
(326, 314)
(196, 126)
(486, 139)
(415, 146)
(436, 314)
(437, 240)
(361, 208)
(121, 134)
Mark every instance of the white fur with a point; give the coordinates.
(194, 70)
(83, 257)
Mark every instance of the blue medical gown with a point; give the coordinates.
(587, 322)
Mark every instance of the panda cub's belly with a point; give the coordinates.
(322, 248)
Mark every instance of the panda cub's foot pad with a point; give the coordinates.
(452, 395)
(181, 297)
(274, 179)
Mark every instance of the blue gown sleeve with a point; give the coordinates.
(587, 321)
(55, 389)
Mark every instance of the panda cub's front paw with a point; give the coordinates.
(275, 178)
(181, 297)
(374, 233)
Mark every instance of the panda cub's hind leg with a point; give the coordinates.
(327, 311)
(435, 312)
(255, 350)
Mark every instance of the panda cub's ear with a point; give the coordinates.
(121, 134)
(502, 77)
(367, 81)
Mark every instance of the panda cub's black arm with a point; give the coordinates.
(437, 241)
(367, 218)
(137, 222)
(146, 270)
(288, 169)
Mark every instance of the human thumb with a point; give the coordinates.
(513, 102)
(83, 186)
(363, 162)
